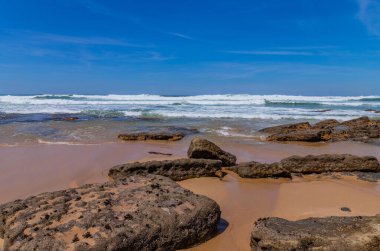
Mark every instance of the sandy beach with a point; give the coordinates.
(33, 169)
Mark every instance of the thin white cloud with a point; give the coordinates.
(276, 53)
(180, 35)
(67, 39)
(369, 15)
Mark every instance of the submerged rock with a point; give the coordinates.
(360, 129)
(179, 169)
(331, 233)
(203, 149)
(135, 213)
(325, 163)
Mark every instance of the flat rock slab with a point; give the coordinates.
(204, 149)
(179, 169)
(135, 213)
(159, 133)
(360, 129)
(325, 163)
(331, 233)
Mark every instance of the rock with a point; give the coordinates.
(158, 153)
(330, 163)
(151, 136)
(179, 169)
(299, 165)
(255, 169)
(286, 128)
(304, 135)
(345, 209)
(160, 133)
(328, 123)
(360, 129)
(135, 213)
(203, 149)
(70, 118)
(331, 233)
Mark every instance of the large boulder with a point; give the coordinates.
(135, 213)
(325, 163)
(179, 169)
(330, 163)
(331, 233)
(203, 149)
(360, 129)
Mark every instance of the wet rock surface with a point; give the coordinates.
(179, 169)
(162, 133)
(331, 233)
(203, 149)
(255, 169)
(135, 213)
(325, 163)
(360, 129)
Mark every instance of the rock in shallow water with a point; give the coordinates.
(161, 133)
(331, 233)
(203, 149)
(179, 169)
(360, 129)
(135, 213)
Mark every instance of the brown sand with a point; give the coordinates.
(28, 170)
(243, 201)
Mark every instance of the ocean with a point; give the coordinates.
(38, 118)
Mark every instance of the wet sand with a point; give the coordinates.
(29, 170)
(243, 201)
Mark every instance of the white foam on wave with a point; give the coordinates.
(200, 106)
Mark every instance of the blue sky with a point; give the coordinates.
(309, 47)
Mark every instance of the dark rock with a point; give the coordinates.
(255, 169)
(305, 135)
(345, 209)
(179, 169)
(158, 153)
(330, 163)
(299, 165)
(203, 149)
(160, 133)
(151, 136)
(286, 128)
(360, 129)
(331, 233)
(134, 217)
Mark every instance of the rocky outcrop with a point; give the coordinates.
(163, 133)
(325, 163)
(331, 233)
(179, 169)
(203, 149)
(135, 213)
(286, 128)
(361, 129)
(255, 169)
(330, 163)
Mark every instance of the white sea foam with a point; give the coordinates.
(201, 106)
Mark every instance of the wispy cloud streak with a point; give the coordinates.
(65, 39)
(180, 35)
(369, 15)
(276, 53)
